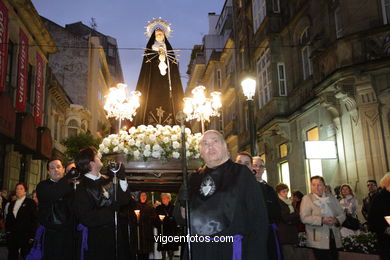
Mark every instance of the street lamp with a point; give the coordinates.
(201, 108)
(249, 89)
(119, 106)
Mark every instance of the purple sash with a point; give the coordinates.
(36, 252)
(237, 247)
(84, 241)
(274, 228)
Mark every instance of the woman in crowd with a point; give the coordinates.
(379, 217)
(287, 225)
(21, 224)
(147, 218)
(168, 226)
(350, 206)
(297, 200)
(322, 215)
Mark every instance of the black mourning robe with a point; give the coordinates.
(55, 213)
(147, 222)
(376, 220)
(96, 212)
(158, 104)
(235, 207)
(274, 216)
(168, 226)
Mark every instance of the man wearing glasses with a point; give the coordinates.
(273, 207)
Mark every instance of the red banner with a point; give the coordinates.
(38, 106)
(21, 93)
(3, 44)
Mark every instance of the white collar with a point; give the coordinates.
(22, 198)
(93, 176)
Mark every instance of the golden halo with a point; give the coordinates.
(158, 22)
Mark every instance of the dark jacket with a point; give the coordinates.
(367, 203)
(287, 225)
(146, 224)
(25, 223)
(379, 209)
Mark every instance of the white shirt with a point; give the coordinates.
(93, 177)
(18, 204)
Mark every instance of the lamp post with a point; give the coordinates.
(249, 89)
(201, 108)
(119, 106)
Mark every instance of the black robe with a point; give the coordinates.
(234, 207)
(376, 219)
(154, 88)
(55, 213)
(96, 212)
(146, 225)
(274, 215)
(169, 226)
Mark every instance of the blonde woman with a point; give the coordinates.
(350, 206)
(322, 215)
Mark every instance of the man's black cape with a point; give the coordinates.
(236, 207)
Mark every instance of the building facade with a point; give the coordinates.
(322, 75)
(86, 65)
(25, 143)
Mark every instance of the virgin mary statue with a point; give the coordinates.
(159, 81)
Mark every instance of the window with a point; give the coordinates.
(337, 20)
(275, 6)
(242, 60)
(111, 51)
(263, 68)
(73, 127)
(282, 80)
(219, 79)
(283, 150)
(265, 175)
(10, 69)
(305, 54)
(285, 175)
(30, 90)
(314, 166)
(386, 11)
(259, 10)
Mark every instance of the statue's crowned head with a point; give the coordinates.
(158, 26)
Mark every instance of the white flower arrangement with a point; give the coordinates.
(360, 243)
(145, 142)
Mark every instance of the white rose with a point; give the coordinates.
(106, 142)
(188, 154)
(176, 128)
(174, 137)
(115, 149)
(196, 156)
(156, 154)
(187, 131)
(141, 136)
(147, 147)
(175, 145)
(131, 141)
(175, 155)
(132, 130)
(115, 142)
(101, 146)
(166, 139)
(158, 126)
(138, 143)
(147, 153)
(152, 138)
(121, 146)
(106, 150)
(136, 154)
(156, 147)
(166, 132)
(141, 128)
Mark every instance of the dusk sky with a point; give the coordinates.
(125, 20)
